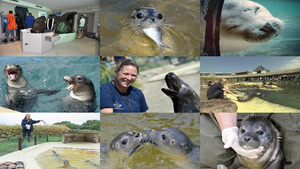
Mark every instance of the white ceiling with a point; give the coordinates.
(66, 4)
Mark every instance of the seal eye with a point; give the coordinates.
(159, 16)
(124, 141)
(137, 135)
(17, 66)
(163, 137)
(246, 9)
(79, 78)
(260, 132)
(242, 131)
(139, 15)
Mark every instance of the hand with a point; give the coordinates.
(42, 120)
(231, 139)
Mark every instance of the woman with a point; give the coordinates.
(27, 125)
(118, 95)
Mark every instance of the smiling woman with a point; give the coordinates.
(118, 95)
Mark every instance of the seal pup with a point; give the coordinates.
(176, 142)
(82, 97)
(67, 165)
(248, 96)
(96, 165)
(20, 95)
(245, 23)
(256, 131)
(184, 98)
(150, 21)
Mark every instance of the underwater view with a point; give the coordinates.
(178, 33)
(48, 73)
(288, 41)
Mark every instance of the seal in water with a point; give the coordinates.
(82, 97)
(20, 95)
(256, 131)
(248, 96)
(56, 155)
(150, 21)
(175, 142)
(184, 98)
(244, 24)
(96, 165)
(67, 165)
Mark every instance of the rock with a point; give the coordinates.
(20, 166)
(12, 166)
(3, 167)
(218, 106)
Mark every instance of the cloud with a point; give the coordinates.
(292, 64)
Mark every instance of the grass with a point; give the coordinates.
(11, 145)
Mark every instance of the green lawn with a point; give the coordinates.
(12, 144)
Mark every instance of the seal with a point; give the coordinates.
(56, 155)
(89, 162)
(248, 96)
(256, 131)
(67, 165)
(245, 23)
(150, 21)
(20, 95)
(82, 97)
(184, 98)
(176, 142)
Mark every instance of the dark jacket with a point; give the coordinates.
(31, 122)
(29, 21)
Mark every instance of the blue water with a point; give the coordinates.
(48, 73)
(288, 41)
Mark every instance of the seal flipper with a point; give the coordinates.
(160, 45)
(46, 92)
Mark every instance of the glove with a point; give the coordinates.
(230, 139)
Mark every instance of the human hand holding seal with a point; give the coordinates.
(230, 139)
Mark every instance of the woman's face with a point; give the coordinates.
(126, 76)
(28, 117)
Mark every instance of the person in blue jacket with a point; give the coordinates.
(29, 21)
(27, 125)
(119, 96)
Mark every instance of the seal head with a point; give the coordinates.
(126, 141)
(14, 76)
(82, 97)
(184, 98)
(150, 21)
(256, 131)
(245, 23)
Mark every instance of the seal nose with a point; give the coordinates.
(247, 138)
(148, 131)
(152, 20)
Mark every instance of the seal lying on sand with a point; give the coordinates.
(248, 96)
(82, 97)
(184, 98)
(246, 23)
(256, 131)
(175, 142)
(20, 95)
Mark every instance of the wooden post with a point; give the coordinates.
(20, 143)
(35, 140)
(47, 138)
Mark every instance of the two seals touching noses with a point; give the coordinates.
(257, 131)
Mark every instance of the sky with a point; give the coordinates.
(239, 64)
(49, 118)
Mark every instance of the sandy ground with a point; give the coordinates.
(29, 155)
(256, 105)
(5, 110)
(153, 80)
